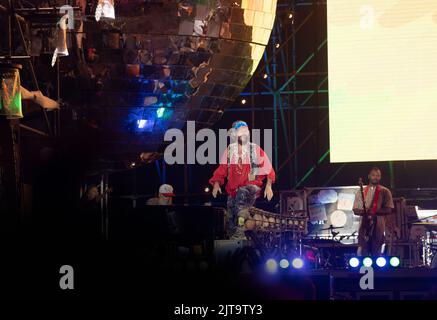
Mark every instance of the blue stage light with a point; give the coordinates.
(354, 262)
(381, 262)
(284, 264)
(271, 266)
(395, 262)
(367, 262)
(141, 123)
(297, 263)
(145, 125)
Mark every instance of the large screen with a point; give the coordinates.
(382, 62)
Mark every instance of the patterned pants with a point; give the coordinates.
(245, 198)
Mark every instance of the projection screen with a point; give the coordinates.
(382, 68)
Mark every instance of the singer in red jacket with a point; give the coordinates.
(245, 166)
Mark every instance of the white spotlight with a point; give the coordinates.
(367, 262)
(297, 263)
(354, 262)
(381, 262)
(284, 264)
(271, 266)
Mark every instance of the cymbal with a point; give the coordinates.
(428, 225)
(297, 211)
(331, 228)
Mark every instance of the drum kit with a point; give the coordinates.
(265, 221)
(428, 244)
(284, 235)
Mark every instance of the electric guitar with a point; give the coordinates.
(369, 224)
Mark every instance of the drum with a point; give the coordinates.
(272, 222)
(277, 222)
(250, 224)
(265, 224)
(349, 241)
(258, 220)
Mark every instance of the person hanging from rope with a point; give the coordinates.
(245, 165)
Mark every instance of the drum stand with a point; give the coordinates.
(427, 254)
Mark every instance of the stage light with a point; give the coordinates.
(290, 15)
(381, 262)
(10, 93)
(277, 45)
(284, 264)
(354, 262)
(151, 100)
(141, 123)
(133, 164)
(160, 112)
(297, 263)
(265, 76)
(206, 189)
(145, 125)
(367, 262)
(395, 262)
(243, 101)
(271, 266)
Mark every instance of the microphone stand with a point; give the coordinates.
(367, 235)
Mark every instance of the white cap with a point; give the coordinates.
(166, 190)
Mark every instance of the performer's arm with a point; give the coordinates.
(388, 205)
(268, 192)
(219, 175)
(358, 205)
(358, 212)
(267, 170)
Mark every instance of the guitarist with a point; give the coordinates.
(377, 204)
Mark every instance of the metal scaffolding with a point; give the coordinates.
(294, 76)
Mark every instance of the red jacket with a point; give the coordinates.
(238, 174)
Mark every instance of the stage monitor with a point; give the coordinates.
(382, 62)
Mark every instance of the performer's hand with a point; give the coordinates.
(358, 212)
(268, 192)
(216, 190)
